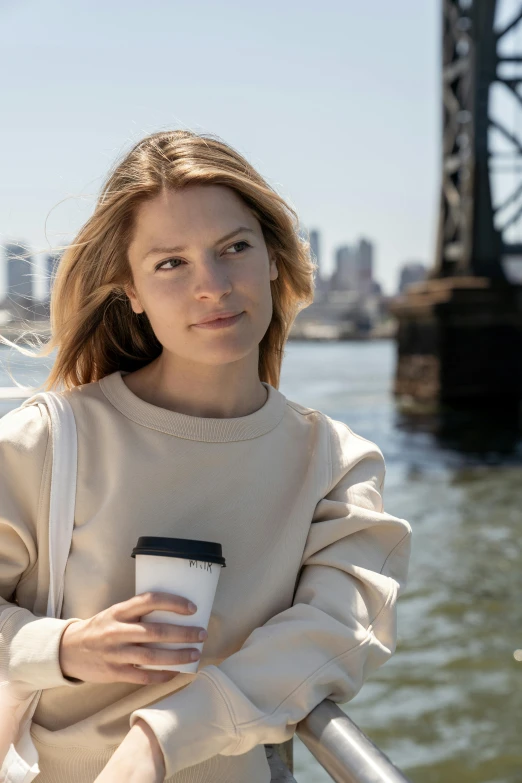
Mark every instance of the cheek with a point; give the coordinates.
(256, 278)
(168, 292)
(165, 304)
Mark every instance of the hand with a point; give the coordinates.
(105, 647)
(139, 758)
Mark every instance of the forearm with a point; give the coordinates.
(29, 649)
(149, 741)
(138, 759)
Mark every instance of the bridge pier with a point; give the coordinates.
(460, 344)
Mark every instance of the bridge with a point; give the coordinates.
(460, 331)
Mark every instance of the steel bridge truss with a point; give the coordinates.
(477, 235)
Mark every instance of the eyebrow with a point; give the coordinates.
(179, 249)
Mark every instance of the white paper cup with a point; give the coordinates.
(181, 566)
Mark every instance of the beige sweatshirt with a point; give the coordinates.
(305, 609)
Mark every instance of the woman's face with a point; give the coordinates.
(184, 269)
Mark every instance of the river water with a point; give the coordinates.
(447, 707)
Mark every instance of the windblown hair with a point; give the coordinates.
(93, 327)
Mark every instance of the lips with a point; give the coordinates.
(222, 315)
(220, 323)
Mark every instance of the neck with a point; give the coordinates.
(219, 392)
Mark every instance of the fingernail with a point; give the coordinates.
(192, 607)
(194, 655)
(202, 635)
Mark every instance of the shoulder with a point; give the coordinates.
(355, 458)
(301, 410)
(25, 451)
(352, 457)
(25, 428)
(346, 446)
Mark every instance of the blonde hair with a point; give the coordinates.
(93, 326)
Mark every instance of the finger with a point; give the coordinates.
(153, 656)
(163, 632)
(143, 603)
(129, 673)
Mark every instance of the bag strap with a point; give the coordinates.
(21, 763)
(63, 491)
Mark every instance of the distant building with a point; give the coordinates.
(51, 264)
(20, 267)
(321, 283)
(344, 277)
(316, 255)
(365, 267)
(314, 247)
(354, 268)
(413, 272)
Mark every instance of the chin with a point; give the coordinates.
(218, 358)
(223, 354)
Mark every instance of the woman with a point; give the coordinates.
(182, 432)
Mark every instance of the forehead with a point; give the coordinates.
(195, 211)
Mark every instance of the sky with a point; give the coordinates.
(336, 103)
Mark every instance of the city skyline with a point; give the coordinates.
(338, 106)
(353, 268)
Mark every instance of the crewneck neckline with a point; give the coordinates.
(194, 427)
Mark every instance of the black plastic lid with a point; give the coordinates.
(188, 548)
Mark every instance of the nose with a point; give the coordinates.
(211, 279)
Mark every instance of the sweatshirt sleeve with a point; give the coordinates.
(29, 644)
(341, 626)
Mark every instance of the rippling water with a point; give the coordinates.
(446, 707)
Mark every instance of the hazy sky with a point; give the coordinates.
(336, 103)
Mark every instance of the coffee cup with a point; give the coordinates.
(181, 566)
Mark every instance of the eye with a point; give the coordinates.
(168, 260)
(241, 242)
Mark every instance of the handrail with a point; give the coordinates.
(343, 750)
(15, 392)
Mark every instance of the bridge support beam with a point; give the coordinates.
(459, 344)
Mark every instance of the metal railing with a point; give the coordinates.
(341, 748)
(15, 392)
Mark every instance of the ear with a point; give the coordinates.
(135, 302)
